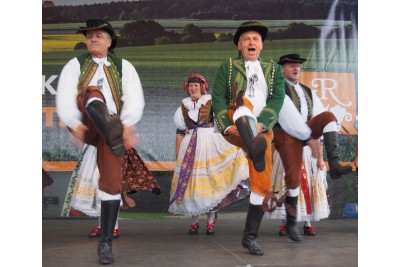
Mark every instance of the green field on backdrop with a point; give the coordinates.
(165, 66)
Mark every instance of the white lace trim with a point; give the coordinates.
(188, 103)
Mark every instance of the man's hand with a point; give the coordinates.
(314, 145)
(320, 159)
(78, 135)
(320, 163)
(233, 130)
(260, 127)
(130, 137)
(79, 132)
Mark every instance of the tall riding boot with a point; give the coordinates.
(110, 128)
(336, 169)
(109, 214)
(256, 145)
(291, 224)
(253, 221)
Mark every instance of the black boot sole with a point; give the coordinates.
(261, 253)
(115, 141)
(104, 262)
(258, 155)
(256, 253)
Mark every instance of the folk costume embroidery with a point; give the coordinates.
(188, 160)
(208, 168)
(113, 74)
(313, 202)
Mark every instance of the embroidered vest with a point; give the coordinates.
(113, 74)
(291, 92)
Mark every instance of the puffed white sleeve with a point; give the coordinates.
(132, 95)
(318, 107)
(291, 121)
(179, 120)
(67, 92)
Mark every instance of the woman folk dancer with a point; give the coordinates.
(207, 168)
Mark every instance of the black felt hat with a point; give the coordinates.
(291, 58)
(250, 26)
(96, 24)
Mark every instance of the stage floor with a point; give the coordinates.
(165, 242)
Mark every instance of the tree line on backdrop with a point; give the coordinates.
(194, 9)
(150, 32)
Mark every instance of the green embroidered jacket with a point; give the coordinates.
(233, 70)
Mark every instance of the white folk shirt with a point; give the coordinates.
(67, 92)
(291, 120)
(256, 90)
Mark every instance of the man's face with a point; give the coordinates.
(250, 44)
(291, 71)
(98, 42)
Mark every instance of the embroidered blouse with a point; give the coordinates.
(193, 110)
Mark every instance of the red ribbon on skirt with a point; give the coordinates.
(305, 188)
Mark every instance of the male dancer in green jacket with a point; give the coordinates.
(247, 97)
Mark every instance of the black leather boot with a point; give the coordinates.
(256, 145)
(291, 224)
(336, 170)
(110, 128)
(109, 214)
(253, 221)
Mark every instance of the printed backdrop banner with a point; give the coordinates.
(338, 94)
(329, 45)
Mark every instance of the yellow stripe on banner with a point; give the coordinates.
(155, 166)
(66, 166)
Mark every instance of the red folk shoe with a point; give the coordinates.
(282, 230)
(194, 228)
(309, 230)
(116, 233)
(95, 232)
(210, 228)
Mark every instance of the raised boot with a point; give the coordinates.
(110, 128)
(109, 214)
(253, 221)
(256, 145)
(336, 169)
(291, 224)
